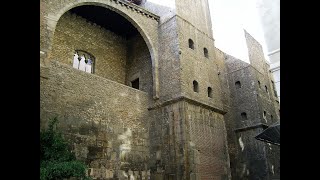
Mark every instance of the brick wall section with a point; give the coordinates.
(250, 161)
(196, 13)
(139, 63)
(191, 142)
(75, 33)
(254, 100)
(219, 60)
(256, 55)
(106, 122)
(145, 21)
(195, 66)
(245, 98)
(170, 81)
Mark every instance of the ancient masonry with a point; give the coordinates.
(141, 92)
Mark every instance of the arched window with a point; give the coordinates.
(259, 84)
(205, 52)
(209, 92)
(244, 116)
(195, 86)
(238, 84)
(83, 61)
(264, 114)
(191, 44)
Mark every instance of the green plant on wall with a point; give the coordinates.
(56, 159)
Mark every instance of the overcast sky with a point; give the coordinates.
(229, 18)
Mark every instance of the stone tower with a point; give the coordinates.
(188, 123)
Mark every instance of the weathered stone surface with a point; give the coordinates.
(164, 130)
(106, 122)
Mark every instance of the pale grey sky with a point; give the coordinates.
(229, 18)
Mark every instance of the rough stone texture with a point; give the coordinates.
(75, 33)
(170, 81)
(249, 158)
(139, 64)
(189, 142)
(165, 12)
(191, 11)
(106, 122)
(116, 58)
(195, 66)
(164, 130)
(145, 22)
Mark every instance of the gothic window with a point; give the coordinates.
(238, 84)
(83, 61)
(195, 86)
(244, 116)
(205, 52)
(264, 114)
(191, 44)
(259, 84)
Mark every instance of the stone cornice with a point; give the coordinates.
(245, 128)
(138, 9)
(189, 100)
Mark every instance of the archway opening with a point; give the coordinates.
(120, 52)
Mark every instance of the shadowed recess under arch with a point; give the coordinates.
(107, 19)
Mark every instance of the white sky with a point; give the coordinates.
(229, 18)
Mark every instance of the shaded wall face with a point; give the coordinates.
(188, 141)
(106, 122)
(251, 156)
(169, 64)
(139, 64)
(267, 99)
(244, 98)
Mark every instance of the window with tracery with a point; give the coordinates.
(83, 61)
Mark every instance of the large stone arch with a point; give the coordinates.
(145, 22)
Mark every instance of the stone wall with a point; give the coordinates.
(250, 159)
(195, 66)
(246, 153)
(107, 123)
(139, 64)
(75, 33)
(189, 142)
(170, 81)
(196, 13)
(255, 53)
(244, 99)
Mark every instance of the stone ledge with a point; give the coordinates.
(138, 9)
(189, 100)
(245, 128)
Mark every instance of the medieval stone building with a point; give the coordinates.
(141, 92)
